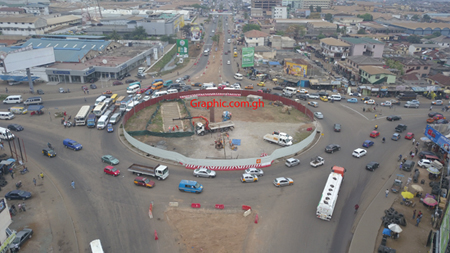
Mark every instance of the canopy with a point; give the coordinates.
(417, 187)
(33, 108)
(407, 195)
(395, 228)
(387, 232)
(447, 91)
(430, 201)
(433, 170)
(425, 139)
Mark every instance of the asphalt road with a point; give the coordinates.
(116, 211)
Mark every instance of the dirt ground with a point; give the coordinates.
(412, 239)
(202, 230)
(250, 127)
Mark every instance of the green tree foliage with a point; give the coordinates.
(249, 27)
(296, 31)
(414, 39)
(395, 65)
(216, 38)
(436, 34)
(171, 39)
(281, 33)
(314, 15)
(366, 17)
(321, 36)
(318, 9)
(311, 8)
(415, 17)
(245, 15)
(329, 17)
(426, 18)
(138, 34)
(361, 31)
(113, 36)
(221, 7)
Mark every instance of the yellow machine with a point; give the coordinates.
(235, 54)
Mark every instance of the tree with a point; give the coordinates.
(415, 17)
(296, 31)
(311, 8)
(139, 33)
(245, 15)
(321, 36)
(436, 34)
(221, 7)
(426, 18)
(395, 65)
(414, 39)
(249, 27)
(361, 31)
(318, 9)
(186, 29)
(281, 33)
(314, 15)
(216, 38)
(329, 17)
(170, 39)
(366, 17)
(114, 36)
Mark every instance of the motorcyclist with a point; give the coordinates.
(384, 139)
(376, 127)
(400, 157)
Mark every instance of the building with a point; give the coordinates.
(439, 79)
(317, 28)
(266, 5)
(365, 46)
(418, 48)
(334, 49)
(413, 79)
(36, 9)
(11, 11)
(324, 4)
(350, 68)
(283, 24)
(442, 41)
(257, 13)
(279, 12)
(281, 42)
(376, 75)
(422, 28)
(255, 38)
(164, 24)
(413, 65)
(346, 20)
(35, 25)
(8, 235)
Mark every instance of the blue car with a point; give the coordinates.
(109, 128)
(352, 100)
(368, 143)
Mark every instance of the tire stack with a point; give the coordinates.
(435, 189)
(392, 216)
(385, 249)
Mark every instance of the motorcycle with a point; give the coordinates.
(19, 184)
(24, 171)
(376, 127)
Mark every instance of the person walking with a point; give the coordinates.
(87, 92)
(387, 192)
(417, 151)
(6, 89)
(431, 108)
(12, 175)
(84, 99)
(34, 181)
(375, 116)
(414, 214)
(414, 141)
(356, 208)
(41, 176)
(65, 124)
(73, 184)
(1, 146)
(418, 221)
(401, 166)
(417, 144)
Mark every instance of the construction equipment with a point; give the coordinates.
(226, 116)
(201, 129)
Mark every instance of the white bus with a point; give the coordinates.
(96, 246)
(80, 119)
(100, 109)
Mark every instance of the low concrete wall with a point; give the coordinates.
(225, 164)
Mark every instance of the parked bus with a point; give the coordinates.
(119, 100)
(124, 103)
(80, 119)
(100, 109)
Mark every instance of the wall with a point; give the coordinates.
(219, 164)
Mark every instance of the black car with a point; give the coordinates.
(48, 152)
(365, 98)
(332, 147)
(93, 80)
(266, 90)
(422, 154)
(15, 127)
(197, 85)
(432, 114)
(126, 75)
(40, 92)
(93, 86)
(20, 238)
(278, 88)
(186, 88)
(393, 118)
(323, 93)
(337, 127)
(131, 81)
(18, 194)
(372, 166)
(441, 121)
(186, 77)
(277, 94)
(302, 96)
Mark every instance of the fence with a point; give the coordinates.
(218, 164)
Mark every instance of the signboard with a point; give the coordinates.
(61, 72)
(182, 48)
(437, 138)
(295, 69)
(196, 33)
(92, 70)
(248, 55)
(155, 53)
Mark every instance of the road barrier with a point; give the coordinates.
(256, 219)
(245, 207)
(195, 205)
(150, 210)
(156, 236)
(220, 206)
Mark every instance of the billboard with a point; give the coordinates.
(196, 33)
(437, 138)
(182, 48)
(248, 55)
(295, 69)
(27, 58)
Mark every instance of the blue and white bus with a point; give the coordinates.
(138, 83)
(124, 103)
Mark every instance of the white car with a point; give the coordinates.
(137, 97)
(359, 152)
(387, 103)
(249, 178)
(146, 98)
(313, 96)
(292, 162)
(369, 102)
(318, 115)
(255, 171)
(179, 80)
(228, 62)
(204, 172)
(303, 91)
(424, 163)
(283, 181)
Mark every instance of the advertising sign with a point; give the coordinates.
(248, 55)
(196, 33)
(437, 138)
(182, 48)
(295, 69)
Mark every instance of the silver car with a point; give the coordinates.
(283, 181)
(318, 115)
(247, 178)
(204, 172)
(255, 171)
(411, 105)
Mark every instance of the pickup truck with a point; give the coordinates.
(317, 161)
(400, 128)
(282, 141)
(159, 171)
(281, 134)
(397, 185)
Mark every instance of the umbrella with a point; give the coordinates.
(447, 91)
(387, 232)
(430, 201)
(425, 139)
(395, 228)
(417, 187)
(433, 170)
(407, 195)
(274, 79)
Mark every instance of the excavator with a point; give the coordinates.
(201, 129)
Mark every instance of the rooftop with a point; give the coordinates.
(365, 60)
(440, 79)
(408, 61)
(255, 34)
(363, 40)
(334, 42)
(426, 45)
(418, 25)
(375, 70)
(19, 19)
(63, 19)
(411, 77)
(322, 24)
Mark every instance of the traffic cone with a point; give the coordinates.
(156, 236)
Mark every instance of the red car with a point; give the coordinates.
(111, 171)
(141, 91)
(117, 83)
(374, 134)
(142, 181)
(409, 136)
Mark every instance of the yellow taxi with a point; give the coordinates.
(324, 98)
(261, 84)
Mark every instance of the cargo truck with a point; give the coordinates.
(330, 193)
(159, 172)
(202, 129)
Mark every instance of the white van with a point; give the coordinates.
(5, 134)
(229, 41)
(33, 101)
(205, 86)
(133, 88)
(96, 246)
(14, 99)
(99, 100)
(18, 110)
(130, 105)
(159, 94)
(141, 70)
(115, 118)
(171, 91)
(290, 90)
(238, 76)
(101, 123)
(336, 97)
(6, 115)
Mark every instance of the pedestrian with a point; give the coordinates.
(401, 165)
(416, 151)
(390, 107)
(431, 108)
(65, 114)
(375, 116)
(34, 181)
(6, 89)
(387, 192)
(87, 92)
(62, 120)
(419, 214)
(73, 184)
(364, 109)
(414, 141)
(84, 91)
(417, 144)
(41, 176)
(65, 124)
(410, 153)
(414, 214)
(1, 146)
(377, 104)
(84, 99)
(418, 221)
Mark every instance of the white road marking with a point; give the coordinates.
(355, 111)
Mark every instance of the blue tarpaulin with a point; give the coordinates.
(16, 78)
(33, 108)
(236, 142)
(387, 232)
(274, 63)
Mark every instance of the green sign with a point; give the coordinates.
(248, 55)
(182, 48)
